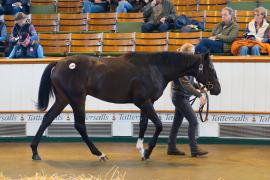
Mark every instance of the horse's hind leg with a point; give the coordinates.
(79, 116)
(149, 110)
(48, 118)
(143, 127)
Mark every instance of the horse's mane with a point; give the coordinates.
(160, 58)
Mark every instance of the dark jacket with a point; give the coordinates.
(226, 34)
(185, 86)
(17, 31)
(168, 11)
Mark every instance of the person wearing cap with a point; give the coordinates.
(21, 25)
(15, 6)
(26, 48)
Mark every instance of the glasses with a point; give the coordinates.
(257, 15)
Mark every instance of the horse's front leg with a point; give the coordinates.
(148, 109)
(143, 127)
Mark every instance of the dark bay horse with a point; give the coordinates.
(138, 78)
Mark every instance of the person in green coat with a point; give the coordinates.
(222, 36)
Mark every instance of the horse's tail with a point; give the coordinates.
(45, 88)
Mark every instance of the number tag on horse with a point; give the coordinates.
(72, 66)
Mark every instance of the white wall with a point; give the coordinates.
(245, 87)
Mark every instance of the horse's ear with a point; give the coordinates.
(206, 57)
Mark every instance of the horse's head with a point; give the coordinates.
(207, 75)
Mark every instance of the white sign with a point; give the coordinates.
(135, 117)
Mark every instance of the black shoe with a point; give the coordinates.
(175, 152)
(198, 152)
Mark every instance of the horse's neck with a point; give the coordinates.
(180, 67)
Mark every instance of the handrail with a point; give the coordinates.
(218, 59)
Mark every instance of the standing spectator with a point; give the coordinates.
(222, 36)
(95, 6)
(258, 30)
(26, 48)
(21, 25)
(15, 6)
(3, 36)
(159, 15)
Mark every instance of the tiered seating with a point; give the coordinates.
(9, 21)
(129, 22)
(264, 3)
(69, 6)
(185, 5)
(102, 22)
(243, 4)
(118, 42)
(73, 22)
(42, 2)
(151, 42)
(85, 43)
(206, 34)
(115, 43)
(195, 15)
(43, 6)
(211, 5)
(130, 17)
(243, 18)
(55, 43)
(211, 19)
(45, 22)
(176, 40)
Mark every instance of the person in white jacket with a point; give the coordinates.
(258, 29)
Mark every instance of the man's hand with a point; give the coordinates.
(204, 90)
(213, 38)
(18, 4)
(153, 3)
(202, 100)
(259, 39)
(162, 20)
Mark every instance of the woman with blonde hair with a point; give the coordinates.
(182, 89)
(258, 30)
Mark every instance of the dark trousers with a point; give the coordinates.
(183, 109)
(149, 27)
(209, 45)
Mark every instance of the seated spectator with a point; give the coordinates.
(21, 25)
(15, 6)
(258, 30)
(125, 6)
(222, 36)
(26, 48)
(3, 36)
(95, 6)
(159, 15)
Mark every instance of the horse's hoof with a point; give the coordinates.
(146, 154)
(36, 157)
(103, 158)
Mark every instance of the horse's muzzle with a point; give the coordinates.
(216, 90)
